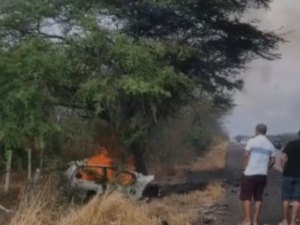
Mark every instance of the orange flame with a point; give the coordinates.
(108, 171)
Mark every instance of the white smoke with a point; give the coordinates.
(272, 89)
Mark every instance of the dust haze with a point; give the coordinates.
(272, 89)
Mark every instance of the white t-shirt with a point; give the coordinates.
(261, 149)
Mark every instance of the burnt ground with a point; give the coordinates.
(271, 213)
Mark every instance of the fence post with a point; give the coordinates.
(29, 164)
(8, 156)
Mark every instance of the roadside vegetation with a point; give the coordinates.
(117, 209)
(46, 208)
(153, 78)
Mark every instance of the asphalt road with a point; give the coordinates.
(271, 213)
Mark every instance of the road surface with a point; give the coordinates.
(271, 213)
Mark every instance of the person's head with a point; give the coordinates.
(261, 129)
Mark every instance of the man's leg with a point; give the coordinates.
(287, 194)
(260, 184)
(285, 212)
(247, 188)
(296, 201)
(257, 212)
(295, 209)
(247, 212)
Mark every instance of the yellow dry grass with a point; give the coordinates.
(110, 210)
(215, 159)
(38, 210)
(185, 209)
(115, 209)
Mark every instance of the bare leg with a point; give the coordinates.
(257, 212)
(247, 212)
(295, 209)
(285, 212)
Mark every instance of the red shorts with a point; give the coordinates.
(253, 187)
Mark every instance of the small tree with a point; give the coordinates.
(25, 110)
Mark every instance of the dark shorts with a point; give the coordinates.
(290, 189)
(253, 187)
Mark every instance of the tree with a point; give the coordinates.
(25, 107)
(149, 61)
(207, 40)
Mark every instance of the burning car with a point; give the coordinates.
(95, 175)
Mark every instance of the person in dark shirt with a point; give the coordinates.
(291, 181)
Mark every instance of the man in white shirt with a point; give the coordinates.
(259, 158)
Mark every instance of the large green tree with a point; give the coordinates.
(130, 62)
(213, 33)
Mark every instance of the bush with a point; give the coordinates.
(201, 140)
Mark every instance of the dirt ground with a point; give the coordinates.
(271, 213)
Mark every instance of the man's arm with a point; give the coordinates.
(283, 160)
(271, 162)
(272, 159)
(247, 154)
(246, 159)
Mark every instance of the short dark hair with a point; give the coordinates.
(261, 128)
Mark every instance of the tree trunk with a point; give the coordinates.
(138, 159)
(8, 154)
(29, 164)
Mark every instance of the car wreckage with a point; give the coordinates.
(96, 175)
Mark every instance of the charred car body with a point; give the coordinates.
(96, 175)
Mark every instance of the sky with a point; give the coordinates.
(272, 89)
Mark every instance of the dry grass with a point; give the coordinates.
(187, 208)
(110, 210)
(115, 209)
(215, 159)
(39, 210)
